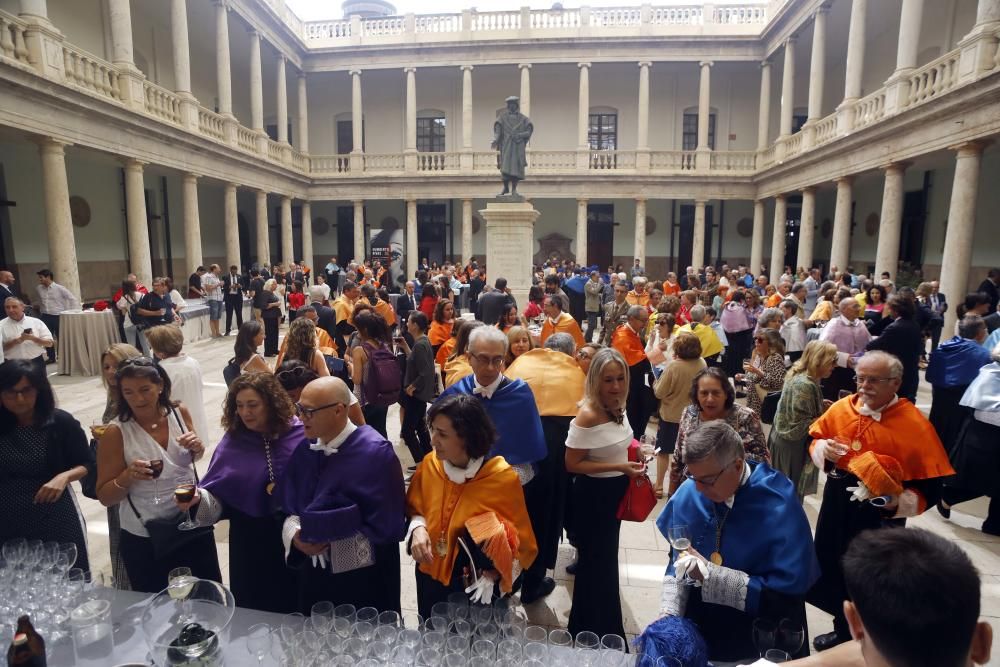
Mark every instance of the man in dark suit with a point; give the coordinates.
(938, 304)
(406, 304)
(297, 275)
(903, 338)
(989, 288)
(491, 304)
(6, 289)
(326, 319)
(233, 287)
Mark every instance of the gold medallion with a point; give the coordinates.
(716, 558)
(856, 445)
(441, 547)
(269, 488)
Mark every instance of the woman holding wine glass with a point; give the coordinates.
(42, 450)
(141, 457)
(261, 434)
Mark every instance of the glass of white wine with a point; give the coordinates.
(680, 539)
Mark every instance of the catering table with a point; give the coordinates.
(130, 644)
(83, 337)
(195, 317)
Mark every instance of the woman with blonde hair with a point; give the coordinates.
(800, 404)
(303, 345)
(597, 453)
(518, 342)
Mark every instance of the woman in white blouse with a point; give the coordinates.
(597, 452)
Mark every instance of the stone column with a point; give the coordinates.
(855, 51)
(466, 108)
(757, 239)
(138, 225)
(192, 222)
(807, 229)
(263, 230)
(58, 220)
(35, 8)
(698, 237)
(120, 17)
(466, 231)
(788, 89)
(357, 126)
(232, 226)
(778, 237)
(642, 126)
(222, 73)
(303, 114)
(640, 231)
(891, 221)
(256, 85)
(840, 249)
(957, 258)
(182, 62)
(583, 118)
(359, 230)
(412, 241)
(817, 65)
(410, 151)
(282, 97)
(704, 103)
(307, 237)
(581, 232)
(287, 238)
(525, 88)
(764, 115)
(910, 17)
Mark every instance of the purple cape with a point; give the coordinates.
(238, 476)
(359, 488)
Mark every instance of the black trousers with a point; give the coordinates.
(639, 404)
(375, 417)
(234, 302)
(414, 428)
(52, 322)
(148, 574)
(270, 336)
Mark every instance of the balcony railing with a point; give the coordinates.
(384, 162)
(275, 150)
(933, 79)
(437, 161)
(162, 103)
(672, 160)
(246, 139)
(329, 164)
(733, 161)
(825, 130)
(85, 71)
(12, 44)
(869, 110)
(211, 124)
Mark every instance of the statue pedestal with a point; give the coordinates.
(510, 245)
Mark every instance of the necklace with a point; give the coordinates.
(617, 415)
(447, 509)
(270, 467)
(862, 427)
(716, 556)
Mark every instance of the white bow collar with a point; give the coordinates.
(462, 475)
(865, 411)
(332, 446)
(488, 391)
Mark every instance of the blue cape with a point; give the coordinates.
(766, 534)
(956, 362)
(515, 415)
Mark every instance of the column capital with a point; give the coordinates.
(52, 144)
(582, 200)
(582, 65)
(969, 148)
(466, 68)
(810, 189)
(645, 63)
(221, 4)
(781, 196)
(132, 163)
(822, 9)
(253, 32)
(641, 200)
(700, 202)
(467, 200)
(765, 63)
(282, 57)
(524, 66)
(354, 72)
(191, 176)
(286, 198)
(410, 70)
(234, 186)
(300, 74)
(261, 193)
(846, 179)
(791, 40)
(900, 166)
(358, 202)
(706, 63)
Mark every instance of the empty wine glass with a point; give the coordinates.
(776, 655)
(387, 634)
(428, 657)
(509, 649)
(765, 634)
(259, 641)
(535, 651)
(456, 644)
(791, 636)
(587, 640)
(367, 615)
(536, 633)
(71, 551)
(389, 618)
(484, 648)
(364, 630)
(291, 625)
(14, 551)
(345, 611)
(379, 651)
(322, 615)
(560, 639)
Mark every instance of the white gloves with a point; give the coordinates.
(860, 492)
(481, 590)
(688, 563)
(319, 560)
(818, 453)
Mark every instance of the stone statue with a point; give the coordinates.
(511, 133)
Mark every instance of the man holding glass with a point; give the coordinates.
(872, 420)
(742, 549)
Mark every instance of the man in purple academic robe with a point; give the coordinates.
(345, 499)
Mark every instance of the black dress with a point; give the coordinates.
(258, 575)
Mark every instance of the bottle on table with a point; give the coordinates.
(28, 648)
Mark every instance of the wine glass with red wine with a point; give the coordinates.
(184, 491)
(156, 468)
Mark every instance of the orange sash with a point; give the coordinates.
(566, 324)
(629, 344)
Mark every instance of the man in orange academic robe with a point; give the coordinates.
(556, 320)
(627, 340)
(555, 379)
(873, 420)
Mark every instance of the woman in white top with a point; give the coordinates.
(175, 296)
(597, 452)
(659, 345)
(248, 340)
(167, 343)
(129, 298)
(150, 433)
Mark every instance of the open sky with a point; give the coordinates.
(314, 10)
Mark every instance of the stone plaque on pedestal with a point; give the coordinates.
(510, 245)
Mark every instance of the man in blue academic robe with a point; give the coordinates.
(345, 499)
(520, 439)
(751, 552)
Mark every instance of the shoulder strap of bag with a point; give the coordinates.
(184, 429)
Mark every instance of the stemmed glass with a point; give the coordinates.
(184, 493)
(843, 445)
(322, 616)
(156, 469)
(680, 539)
(259, 641)
(791, 636)
(765, 635)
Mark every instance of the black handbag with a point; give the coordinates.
(88, 483)
(164, 534)
(769, 407)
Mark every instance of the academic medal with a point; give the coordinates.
(716, 558)
(441, 547)
(856, 445)
(269, 488)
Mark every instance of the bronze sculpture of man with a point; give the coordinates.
(511, 133)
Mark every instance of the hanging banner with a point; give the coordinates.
(387, 250)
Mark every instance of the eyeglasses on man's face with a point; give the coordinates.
(307, 413)
(867, 379)
(710, 480)
(486, 360)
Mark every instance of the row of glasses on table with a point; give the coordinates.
(38, 579)
(456, 633)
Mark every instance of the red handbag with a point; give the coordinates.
(638, 501)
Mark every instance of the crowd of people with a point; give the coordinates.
(526, 425)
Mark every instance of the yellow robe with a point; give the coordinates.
(456, 369)
(710, 343)
(566, 324)
(637, 299)
(343, 309)
(446, 507)
(439, 333)
(555, 380)
(385, 310)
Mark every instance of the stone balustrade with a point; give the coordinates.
(546, 161)
(437, 161)
(733, 161)
(933, 79)
(672, 161)
(162, 103)
(384, 163)
(327, 165)
(274, 150)
(825, 130)
(869, 109)
(246, 139)
(211, 124)
(12, 44)
(793, 145)
(92, 74)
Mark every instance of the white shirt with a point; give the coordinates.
(326, 291)
(186, 386)
(29, 349)
(212, 286)
(487, 391)
(56, 299)
(331, 446)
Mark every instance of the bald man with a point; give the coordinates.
(345, 500)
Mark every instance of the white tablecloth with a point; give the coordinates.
(83, 337)
(195, 317)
